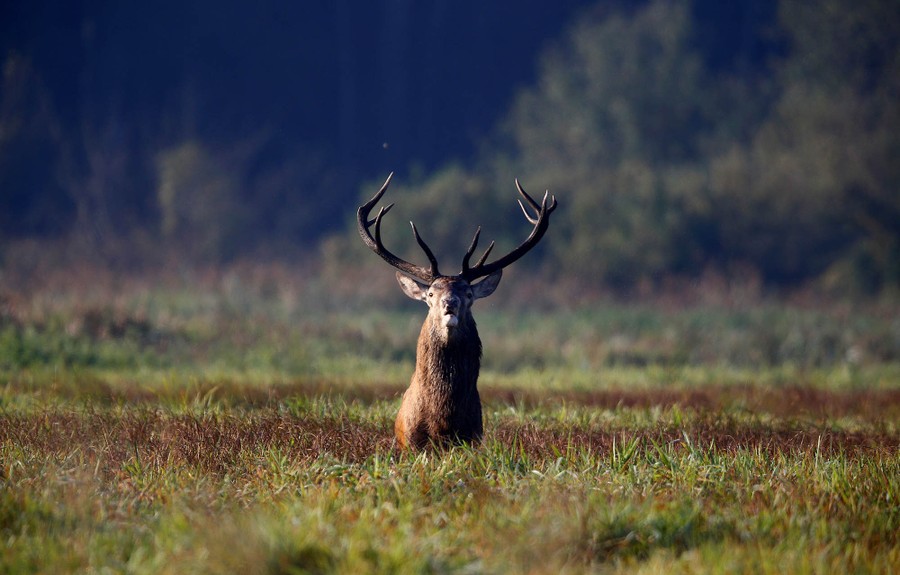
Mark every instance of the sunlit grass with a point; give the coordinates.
(229, 431)
(314, 483)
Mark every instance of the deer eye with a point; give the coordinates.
(469, 294)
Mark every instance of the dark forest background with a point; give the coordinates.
(686, 138)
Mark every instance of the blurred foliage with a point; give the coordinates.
(814, 191)
(29, 144)
(668, 163)
(618, 123)
(281, 321)
(198, 200)
(215, 204)
(665, 168)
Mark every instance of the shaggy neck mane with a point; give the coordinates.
(449, 358)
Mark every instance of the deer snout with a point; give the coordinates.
(451, 305)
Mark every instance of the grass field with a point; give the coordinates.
(236, 424)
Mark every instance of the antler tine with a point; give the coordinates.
(428, 253)
(471, 250)
(381, 212)
(367, 207)
(541, 223)
(484, 256)
(465, 263)
(532, 203)
(377, 220)
(527, 215)
(528, 198)
(363, 223)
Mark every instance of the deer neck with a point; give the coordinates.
(449, 358)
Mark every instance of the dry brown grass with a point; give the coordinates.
(226, 443)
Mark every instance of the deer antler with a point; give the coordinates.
(375, 244)
(541, 222)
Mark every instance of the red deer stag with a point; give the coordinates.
(442, 405)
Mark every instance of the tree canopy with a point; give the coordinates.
(669, 166)
(681, 137)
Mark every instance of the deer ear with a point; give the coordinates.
(487, 286)
(411, 287)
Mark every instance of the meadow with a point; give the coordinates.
(240, 421)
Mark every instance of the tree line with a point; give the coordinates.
(677, 142)
(669, 166)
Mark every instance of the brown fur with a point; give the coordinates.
(442, 405)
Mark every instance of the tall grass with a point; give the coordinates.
(227, 426)
(315, 484)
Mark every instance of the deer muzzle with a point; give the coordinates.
(451, 311)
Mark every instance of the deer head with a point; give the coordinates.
(449, 299)
(442, 401)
